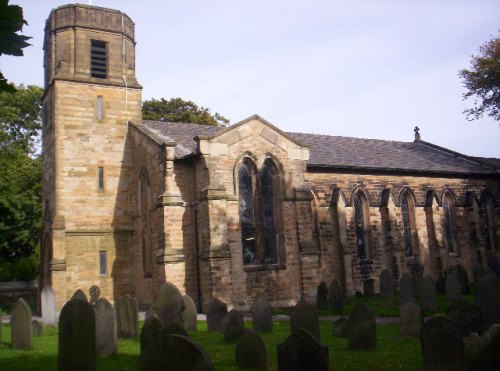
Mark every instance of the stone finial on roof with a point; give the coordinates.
(417, 134)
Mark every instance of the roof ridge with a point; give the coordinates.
(347, 137)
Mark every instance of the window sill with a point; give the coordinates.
(264, 267)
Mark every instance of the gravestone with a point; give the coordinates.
(340, 327)
(301, 351)
(127, 317)
(322, 296)
(467, 315)
(234, 326)
(94, 294)
(369, 288)
(37, 327)
(429, 298)
(251, 351)
(305, 315)
(386, 285)
(416, 270)
(189, 314)
(406, 288)
(262, 314)
(361, 328)
(441, 285)
(336, 296)
(452, 287)
(169, 304)
(442, 347)
(411, 319)
(149, 313)
(80, 295)
(48, 303)
(77, 349)
(216, 312)
(463, 278)
(21, 325)
(105, 327)
(482, 352)
(487, 296)
(478, 272)
(173, 328)
(180, 353)
(149, 358)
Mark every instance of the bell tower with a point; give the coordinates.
(91, 93)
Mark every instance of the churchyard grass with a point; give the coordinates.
(392, 352)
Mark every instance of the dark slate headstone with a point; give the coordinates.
(251, 351)
(234, 326)
(149, 358)
(180, 353)
(361, 328)
(322, 296)
(189, 314)
(467, 315)
(411, 319)
(80, 295)
(305, 315)
(416, 270)
(169, 304)
(127, 317)
(262, 314)
(173, 328)
(94, 294)
(77, 350)
(441, 285)
(442, 347)
(37, 327)
(48, 303)
(340, 327)
(406, 288)
(452, 286)
(336, 297)
(487, 296)
(106, 340)
(463, 278)
(216, 312)
(301, 351)
(369, 288)
(21, 325)
(429, 298)
(386, 285)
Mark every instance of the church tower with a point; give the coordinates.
(91, 94)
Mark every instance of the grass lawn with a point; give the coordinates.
(392, 353)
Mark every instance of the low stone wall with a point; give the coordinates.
(11, 291)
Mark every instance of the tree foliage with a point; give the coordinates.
(179, 110)
(482, 81)
(11, 43)
(20, 172)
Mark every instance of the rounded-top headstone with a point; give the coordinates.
(127, 317)
(105, 327)
(21, 325)
(336, 296)
(169, 304)
(429, 298)
(173, 328)
(182, 353)
(48, 303)
(189, 314)
(453, 287)
(487, 296)
(150, 356)
(262, 314)
(322, 296)
(467, 315)
(234, 326)
(251, 351)
(216, 312)
(305, 315)
(411, 319)
(386, 285)
(361, 328)
(406, 288)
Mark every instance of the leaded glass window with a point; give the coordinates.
(247, 214)
(267, 214)
(360, 230)
(405, 211)
(448, 225)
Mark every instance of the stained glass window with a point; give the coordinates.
(360, 229)
(102, 263)
(448, 226)
(405, 211)
(247, 215)
(267, 213)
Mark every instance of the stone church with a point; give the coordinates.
(228, 212)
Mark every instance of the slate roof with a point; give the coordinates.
(344, 153)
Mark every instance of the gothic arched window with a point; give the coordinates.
(145, 211)
(408, 217)
(448, 211)
(489, 229)
(362, 225)
(246, 176)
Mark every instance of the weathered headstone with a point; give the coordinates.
(149, 358)
(301, 351)
(361, 328)
(442, 347)
(441, 285)
(234, 326)
(340, 327)
(429, 299)
(127, 317)
(77, 350)
(411, 319)
(369, 288)
(180, 353)
(482, 352)
(189, 314)
(416, 271)
(406, 288)
(80, 295)
(487, 296)
(305, 315)
(169, 304)
(216, 312)
(386, 285)
(48, 303)
(251, 351)
(467, 315)
(452, 286)
(262, 314)
(322, 296)
(173, 328)
(21, 325)
(94, 294)
(463, 278)
(336, 296)
(105, 327)
(37, 327)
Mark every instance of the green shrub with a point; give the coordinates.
(25, 269)
(6, 271)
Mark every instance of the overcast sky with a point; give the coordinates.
(370, 69)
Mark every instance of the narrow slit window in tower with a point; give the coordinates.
(100, 178)
(98, 61)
